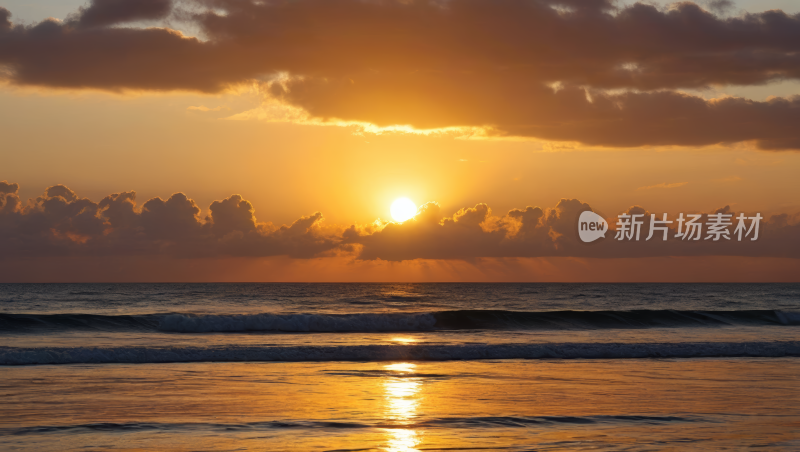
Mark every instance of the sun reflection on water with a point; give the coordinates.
(401, 407)
(400, 367)
(401, 440)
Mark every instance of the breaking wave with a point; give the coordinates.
(386, 322)
(423, 352)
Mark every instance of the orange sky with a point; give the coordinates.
(293, 143)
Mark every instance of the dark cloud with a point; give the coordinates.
(232, 214)
(589, 42)
(570, 114)
(534, 232)
(429, 236)
(5, 19)
(9, 200)
(61, 223)
(101, 13)
(6, 187)
(176, 218)
(530, 68)
(635, 47)
(120, 209)
(59, 191)
(52, 54)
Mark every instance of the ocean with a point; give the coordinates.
(399, 367)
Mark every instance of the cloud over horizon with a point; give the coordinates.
(61, 223)
(587, 71)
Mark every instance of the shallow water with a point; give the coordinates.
(704, 404)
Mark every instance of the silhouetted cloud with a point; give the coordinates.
(102, 13)
(9, 201)
(176, 218)
(538, 68)
(536, 232)
(61, 223)
(5, 19)
(5, 187)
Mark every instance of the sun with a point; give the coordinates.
(403, 209)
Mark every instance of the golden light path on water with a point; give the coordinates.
(401, 394)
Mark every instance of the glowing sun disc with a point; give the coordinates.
(403, 209)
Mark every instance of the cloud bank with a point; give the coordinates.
(564, 70)
(60, 223)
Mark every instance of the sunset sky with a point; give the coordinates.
(319, 114)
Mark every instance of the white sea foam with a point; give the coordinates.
(23, 356)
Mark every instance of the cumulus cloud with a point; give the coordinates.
(5, 187)
(9, 201)
(535, 232)
(5, 19)
(440, 64)
(61, 223)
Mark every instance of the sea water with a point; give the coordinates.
(399, 367)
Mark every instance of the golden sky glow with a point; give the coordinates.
(291, 145)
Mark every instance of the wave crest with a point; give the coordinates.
(182, 323)
(388, 322)
(83, 355)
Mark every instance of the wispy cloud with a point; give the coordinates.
(203, 108)
(663, 185)
(729, 179)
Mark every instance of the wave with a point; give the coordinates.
(476, 319)
(191, 323)
(297, 323)
(423, 352)
(445, 422)
(387, 322)
(36, 322)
